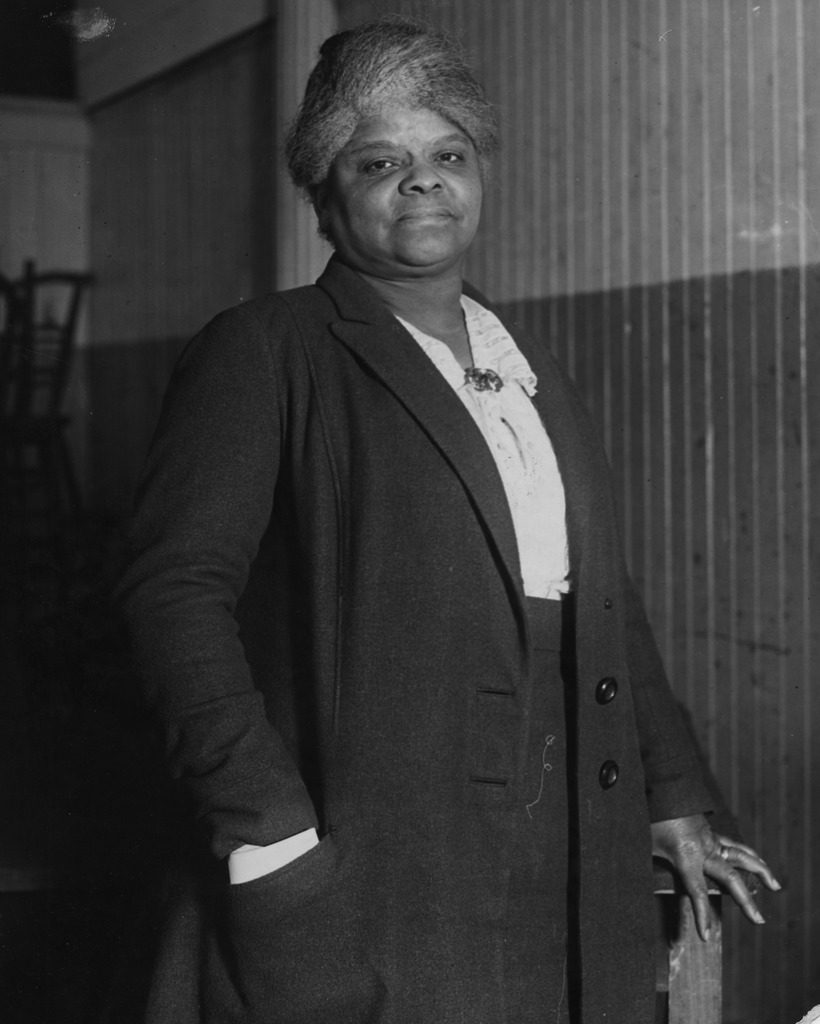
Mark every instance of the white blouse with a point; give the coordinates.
(519, 444)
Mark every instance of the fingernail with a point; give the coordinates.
(707, 934)
(759, 917)
(776, 885)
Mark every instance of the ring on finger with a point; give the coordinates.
(723, 852)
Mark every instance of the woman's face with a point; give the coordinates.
(403, 197)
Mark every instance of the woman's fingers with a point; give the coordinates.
(725, 864)
(701, 906)
(734, 844)
(694, 883)
(744, 857)
(698, 853)
(730, 878)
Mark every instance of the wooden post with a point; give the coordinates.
(689, 970)
(695, 969)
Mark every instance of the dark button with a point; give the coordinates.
(607, 603)
(605, 690)
(608, 775)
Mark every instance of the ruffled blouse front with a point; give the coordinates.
(515, 435)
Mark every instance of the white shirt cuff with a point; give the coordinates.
(249, 862)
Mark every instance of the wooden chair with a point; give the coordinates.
(37, 352)
(38, 486)
(11, 321)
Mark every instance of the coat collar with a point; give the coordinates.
(367, 327)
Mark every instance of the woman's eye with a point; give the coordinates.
(375, 166)
(451, 157)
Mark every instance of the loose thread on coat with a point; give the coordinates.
(563, 996)
(545, 768)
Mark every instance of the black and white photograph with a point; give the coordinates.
(410, 512)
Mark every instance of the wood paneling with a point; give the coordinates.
(44, 157)
(652, 217)
(182, 227)
(181, 213)
(714, 440)
(300, 30)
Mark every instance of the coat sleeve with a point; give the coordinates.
(675, 782)
(204, 501)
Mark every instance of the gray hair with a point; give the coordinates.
(371, 66)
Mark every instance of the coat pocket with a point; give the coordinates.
(294, 945)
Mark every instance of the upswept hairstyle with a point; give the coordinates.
(367, 67)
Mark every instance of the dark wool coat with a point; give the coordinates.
(315, 479)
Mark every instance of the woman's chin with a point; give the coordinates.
(430, 258)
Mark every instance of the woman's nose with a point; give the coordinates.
(420, 178)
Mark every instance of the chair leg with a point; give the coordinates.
(69, 476)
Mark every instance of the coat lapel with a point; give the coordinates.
(368, 328)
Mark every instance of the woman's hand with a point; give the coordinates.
(697, 853)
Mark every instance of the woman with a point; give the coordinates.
(381, 610)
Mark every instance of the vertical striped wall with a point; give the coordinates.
(655, 217)
(44, 158)
(708, 385)
(181, 200)
(182, 227)
(301, 28)
(642, 141)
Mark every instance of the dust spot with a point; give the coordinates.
(86, 23)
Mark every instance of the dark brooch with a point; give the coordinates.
(483, 380)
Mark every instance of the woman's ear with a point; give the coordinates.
(318, 197)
